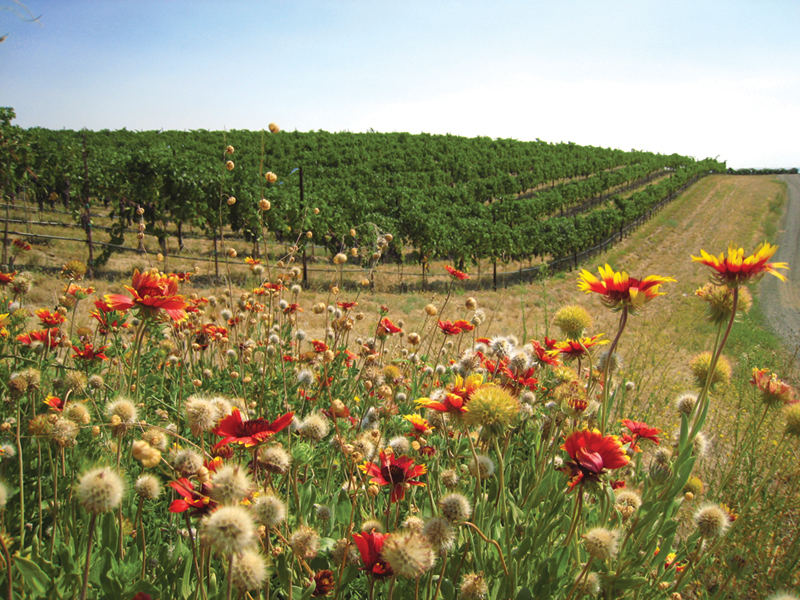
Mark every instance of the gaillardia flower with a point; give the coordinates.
(369, 545)
(773, 390)
(396, 472)
(456, 397)
(618, 290)
(248, 433)
(736, 268)
(151, 292)
(592, 454)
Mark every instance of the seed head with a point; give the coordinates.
(589, 586)
(100, 490)
(186, 462)
(791, 413)
(229, 529)
(711, 520)
(572, 321)
(474, 587)
(147, 487)
(701, 364)
(440, 534)
(484, 469)
(414, 523)
(249, 570)
(270, 510)
(315, 427)
(230, 485)
(372, 525)
(64, 432)
(684, 403)
(601, 543)
(493, 408)
(77, 413)
(629, 498)
(305, 542)
(408, 553)
(400, 445)
(275, 460)
(347, 551)
(455, 507)
(450, 478)
(125, 410)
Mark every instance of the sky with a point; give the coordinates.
(703, 78)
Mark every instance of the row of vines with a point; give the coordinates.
(442, 195)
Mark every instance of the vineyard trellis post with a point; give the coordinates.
(86, 217)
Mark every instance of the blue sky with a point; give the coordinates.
(701, 77)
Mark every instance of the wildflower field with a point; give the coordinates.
(265, 441)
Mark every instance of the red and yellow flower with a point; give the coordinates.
(576, 348)
(49, 337)
(456, 327)
(151, 292)
(88, 352)
(248, 433)
(420, 426)
(592, 454)
(456, 396)
(394, 471)
(618, 290)
(386, 327)
(6, 278)
(773, 390)
(369, 545)
(736, 268)
(641, 431)
(191, 498)
(50, 319)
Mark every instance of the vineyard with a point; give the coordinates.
(436, 196)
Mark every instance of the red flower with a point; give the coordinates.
(276, 287)
(190, 498)
(89, 353)
(456, 274)
(618, 290)
(292, 308)
(50, 319)
(6, 278)
(773, 390)
(592, 455)
(107, 317)
(369, 545)
(543, 356)
(387, 327)
(54, 403)
(151, 293)
(449, 328)
(78, 292)
(21, 244)
(323, 583)
(737, 269)
(319, 346)
(640, 431)
(248, 433)
(420, 426)
(396, 472)
(48, 337)
(346, 305)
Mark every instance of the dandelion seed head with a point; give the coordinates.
(147, 486)
(64, 432)
(626, 497)
(229, 529)
(77, 413)
(100, 490)
(408, 553)
(474, 587)
(315, 427)
(588, 586)
(372, 525)
(455, 507)
(400, 445)
(304, 541)
(450, 478)
(230, 484)
(269, 510)
(601, 543)
(711, 520)
(248, 570)
(275, 460)
(440, 534)
(684, 404)
(186, 462)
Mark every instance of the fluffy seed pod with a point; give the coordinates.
(230, 485)
(440, 534)
(304, 541)
(684, 404)
(455, 507)
(186, 462)
(474, 587)
(64, 432)
(450, 478)
(484, 469)
(408, 554)
(273, 128)
(791, 413)
(275, 460)
(269, 510)
(588, 586)
(371, 525)
(125, 410)
(100, 490)
(413, 523)
(711, 520)
(315, 427)
(229, 529)
(601, 543)
(572, 321)
(147, 487)
(625, 497)
(3, 495)
(701, 364)
(344, 550)
(248, 571)
(77, 413)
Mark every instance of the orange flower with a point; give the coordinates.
(421, 426)
(449, 328)
(457, 396)
(386, 327)
(737, 268)
(640, 430)
(6, 278)
(48, 337)
(618, 290)
(248, 433)
(151, 292)
(88, 352)
(592, 454)
(455, 273)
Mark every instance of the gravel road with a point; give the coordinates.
(781, 301)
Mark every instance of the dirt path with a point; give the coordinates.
(781, 301)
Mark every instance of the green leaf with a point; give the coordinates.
(32, 574)
(448, 589)
(186, 582)
(524, 594)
